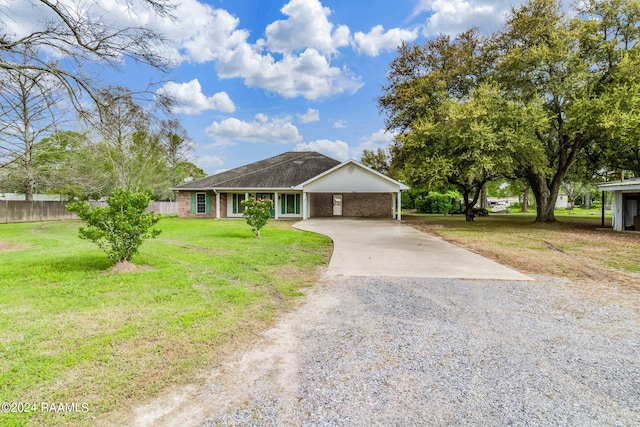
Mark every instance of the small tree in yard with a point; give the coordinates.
(257, 213)
(119, 228)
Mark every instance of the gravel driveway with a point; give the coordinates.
(368, 351)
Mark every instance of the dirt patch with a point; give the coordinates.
(242, 367)
(572, 249)
(8, 247)
(129, 267)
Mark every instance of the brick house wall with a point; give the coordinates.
(223, 205)
(184, 205)
(371, 205)
(367, 205)
(321, 205)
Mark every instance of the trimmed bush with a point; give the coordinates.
(440, 203)
(413, 196)
(119, 228)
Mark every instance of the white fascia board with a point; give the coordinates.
(232, 189)
(400, 185)
(620, 186)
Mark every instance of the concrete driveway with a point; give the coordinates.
(387, 248)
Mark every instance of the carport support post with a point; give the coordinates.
(399, 205)
(393, 205)
(305, 214)
(217, 205)
(275, 204)
(603, 201)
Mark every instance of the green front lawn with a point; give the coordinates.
(72, 331)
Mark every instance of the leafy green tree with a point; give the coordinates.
(453, 129)
(257, 213)
(613, 117)
(120, 228)
(581, 70)
(73, 169)
(378, 160)
(187, 171)
(466, 143)
(568, 64)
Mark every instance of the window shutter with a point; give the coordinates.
(283, 204)
(207, 203)
(235, 203)
(193, 203)
(297, 204)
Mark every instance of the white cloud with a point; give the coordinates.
(339, 124)
(310, 116)
(308, 74)
(306, 42)
(455, 16)
(377, 40)
(338, 150)
(379, 139)
(206, 161)
(206, 34)
(201, 33)
(189, 98)
(262, 130)
(307, 26)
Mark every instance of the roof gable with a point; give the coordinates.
(283, 171)
(351, 176)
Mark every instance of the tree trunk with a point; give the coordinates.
(587, 198)
(469, 204)
(29, 182)
(468, 212)
(28, 190)
(525, 199)
(484, 203)
(546, 195)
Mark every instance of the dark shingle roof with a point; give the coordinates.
(283, 171)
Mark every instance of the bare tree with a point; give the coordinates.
(131, 153)
(73, 34)
(177, 147)
(28, 112)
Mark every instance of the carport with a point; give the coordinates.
(351, 189)
(626, 204)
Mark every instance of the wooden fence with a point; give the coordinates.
(22, 211)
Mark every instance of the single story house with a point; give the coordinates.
(302, 185)
(626, 203)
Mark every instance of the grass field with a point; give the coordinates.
(72, 331)
(571, 248)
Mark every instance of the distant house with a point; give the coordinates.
(626, 203)
(301, 184)
(562, 202)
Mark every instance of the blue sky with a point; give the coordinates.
(255, 78)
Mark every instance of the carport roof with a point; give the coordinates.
(282, 171)
(632, 184)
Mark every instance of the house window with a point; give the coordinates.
(201, 203)
(290, 204)
(237, 205)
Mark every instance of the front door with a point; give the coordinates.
(337, 205)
